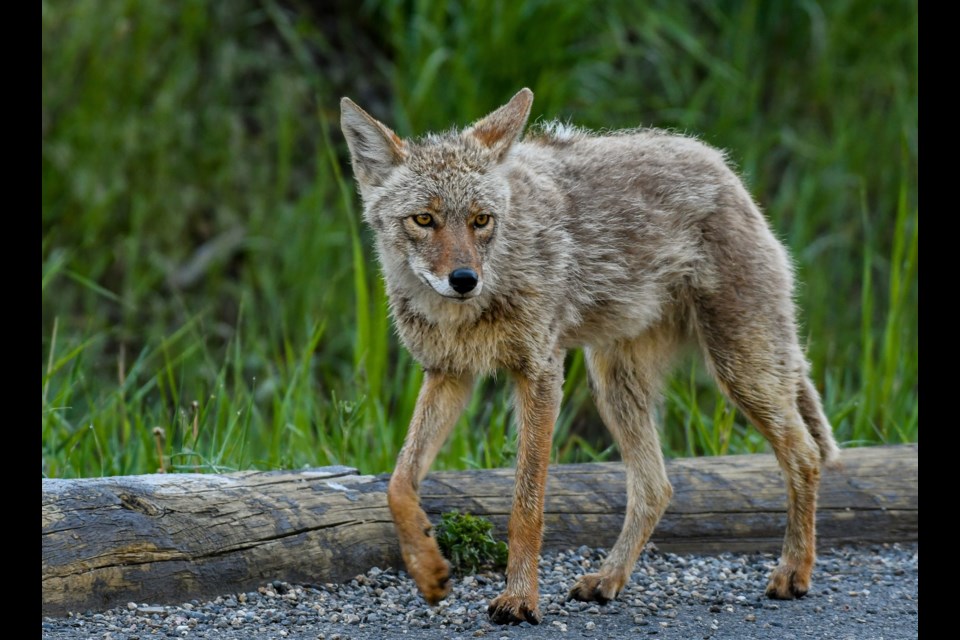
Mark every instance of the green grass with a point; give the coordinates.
(204, 269)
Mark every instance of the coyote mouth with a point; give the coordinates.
(443, 289)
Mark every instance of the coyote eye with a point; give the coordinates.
(481, 220)
(423, 219)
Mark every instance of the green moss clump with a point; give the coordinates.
(467, 542)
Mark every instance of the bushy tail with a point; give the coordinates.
(811, 409)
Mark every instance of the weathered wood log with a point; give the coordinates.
(170, 538)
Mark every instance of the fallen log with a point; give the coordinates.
(172, 538)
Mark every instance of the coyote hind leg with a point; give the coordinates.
(758, 363)
(626, 380)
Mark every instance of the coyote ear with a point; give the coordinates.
(374, 149)
(499, 130)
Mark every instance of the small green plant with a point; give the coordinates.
(467, 542)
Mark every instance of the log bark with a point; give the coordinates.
(171, 538)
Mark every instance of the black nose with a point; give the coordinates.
(463, 280)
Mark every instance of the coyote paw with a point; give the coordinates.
(595, 587)
(431, 573)
(788, 582)
(506, 609)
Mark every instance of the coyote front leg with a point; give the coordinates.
(537, 405)
(441, 401)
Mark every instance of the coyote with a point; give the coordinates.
(501, 254)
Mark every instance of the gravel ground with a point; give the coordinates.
(858, 592)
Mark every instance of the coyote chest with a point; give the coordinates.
(475, 341)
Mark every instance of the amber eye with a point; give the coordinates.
(423, 219)
(481, 220)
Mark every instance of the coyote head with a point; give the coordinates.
(437, 204)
